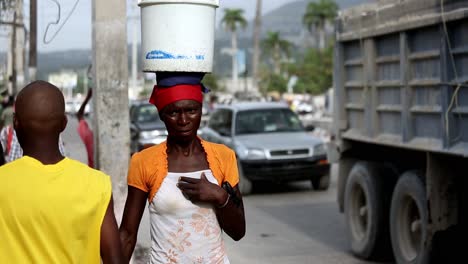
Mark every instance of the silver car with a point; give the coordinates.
(271, 144)
(146, 128)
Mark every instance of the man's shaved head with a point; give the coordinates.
(39, 111)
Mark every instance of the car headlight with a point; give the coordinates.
(255, 154)
(319, 150)
(250, 153)
(150, 134)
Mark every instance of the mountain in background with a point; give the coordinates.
(56, 61)
(286, 19)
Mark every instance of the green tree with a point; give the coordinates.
(232, 20)
(211, 81)
(317, 15)
(277, 49)
(271, 82)
(314, 71)
(80, 84)
(145, 93)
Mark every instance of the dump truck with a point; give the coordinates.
(400, 128)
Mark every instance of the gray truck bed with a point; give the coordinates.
(400, 80)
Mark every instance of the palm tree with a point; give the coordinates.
(277, 48)
(317, 15)
(256, 42)
(232, 20)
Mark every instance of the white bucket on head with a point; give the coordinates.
(177, 35)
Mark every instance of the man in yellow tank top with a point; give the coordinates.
(53, 209)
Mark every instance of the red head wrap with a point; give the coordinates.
(163, 96)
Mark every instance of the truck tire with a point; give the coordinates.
(245, 185)
(321, 183)
(365, 205)
(408, 220)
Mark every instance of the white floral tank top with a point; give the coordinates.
(181, 231)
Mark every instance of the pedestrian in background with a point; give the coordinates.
(86, 134)
(53, 209)
(6, 116)
(183, 179)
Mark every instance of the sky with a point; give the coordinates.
(76, 32)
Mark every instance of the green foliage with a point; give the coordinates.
(145, 93)
(317, 13)
(314, 71)
(233, 19)
(211, 81)
(273, 41)
(271, 82)
(276, 49)
(80, 84)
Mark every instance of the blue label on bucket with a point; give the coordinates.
(163, 55)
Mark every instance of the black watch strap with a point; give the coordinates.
(226, 186)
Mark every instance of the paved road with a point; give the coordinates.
(293, 224)
(285, 224)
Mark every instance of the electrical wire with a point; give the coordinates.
(454, 99)
(56, 22)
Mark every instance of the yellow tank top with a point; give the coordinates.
(51, 213)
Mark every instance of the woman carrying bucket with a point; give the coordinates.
(191, 184)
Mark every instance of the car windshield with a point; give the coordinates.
(267, 121)
(146, 113)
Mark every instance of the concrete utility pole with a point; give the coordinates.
(134, 57)
(13, 57)
(256, 40)
(32, 39)
(110, 94)
(19, 51)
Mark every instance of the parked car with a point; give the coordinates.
(271, 144)
(146, 129)
(70, 107)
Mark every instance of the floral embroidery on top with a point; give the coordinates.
(171, 257)
(192, 236)
(219, 253)
(204, 221)
(199, 260)
(179, 240)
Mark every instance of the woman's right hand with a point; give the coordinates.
(202, 190)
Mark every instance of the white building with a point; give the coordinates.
(243, 84)
(66, 81)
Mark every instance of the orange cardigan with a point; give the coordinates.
(149, 167)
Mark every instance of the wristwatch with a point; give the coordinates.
(232, 194)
